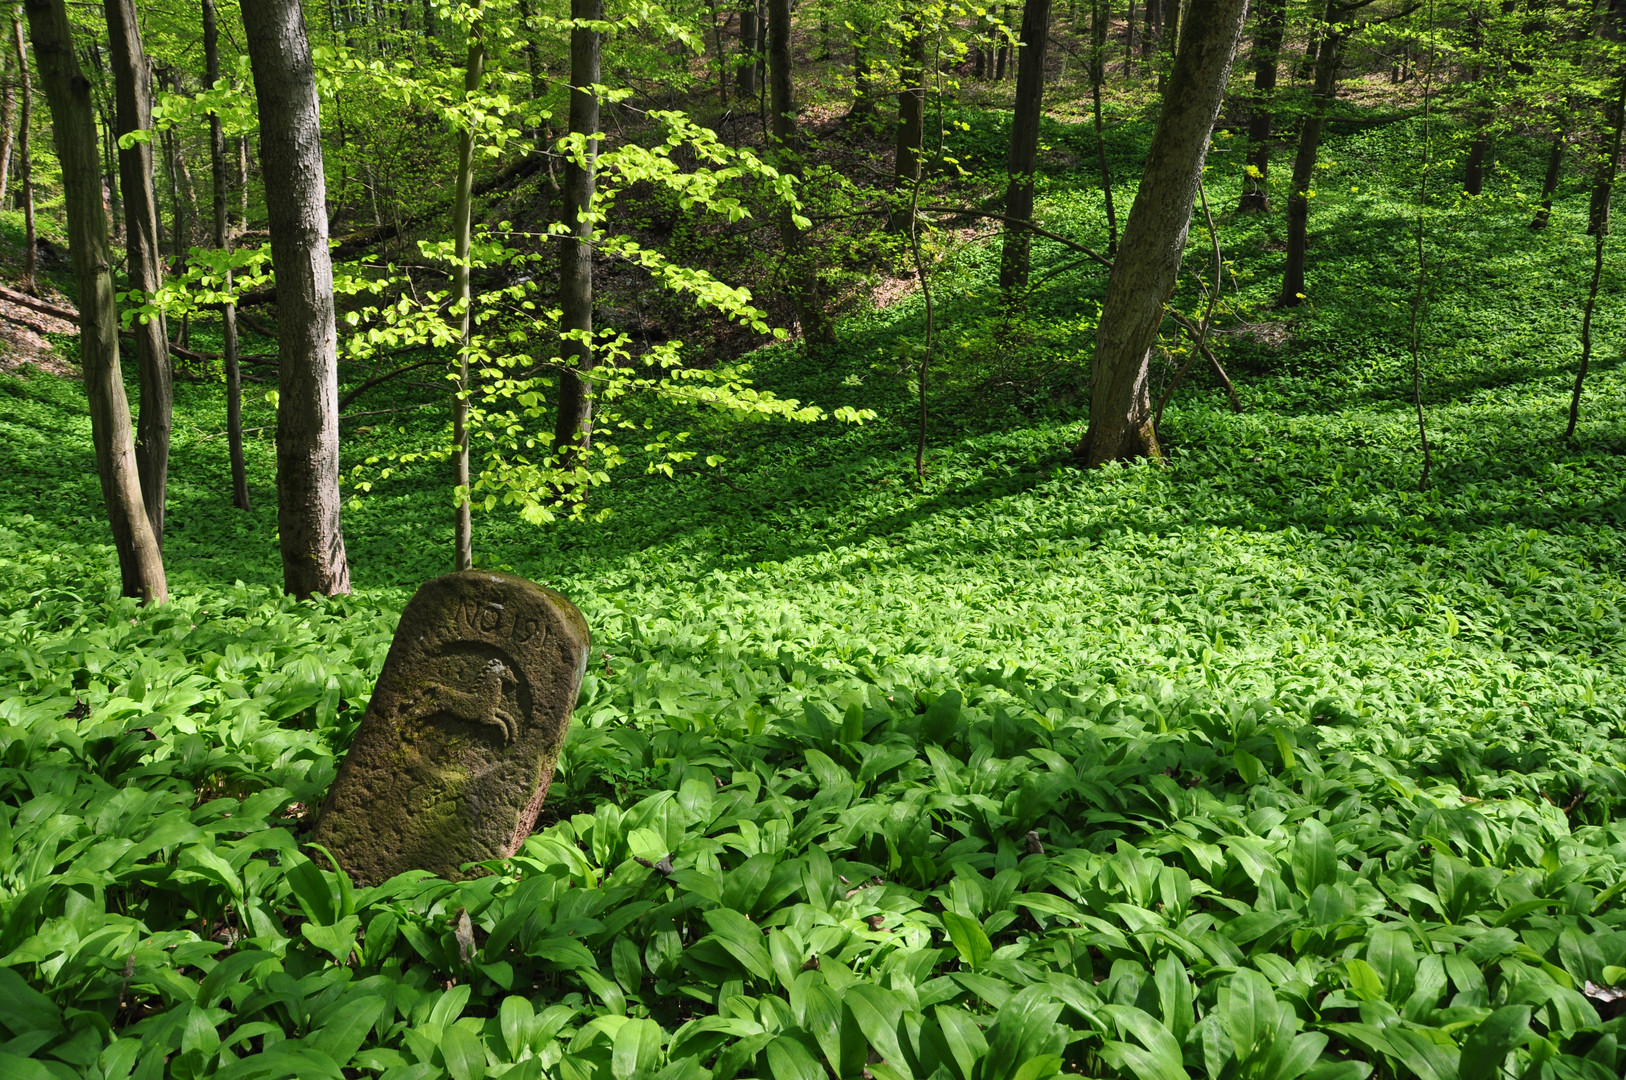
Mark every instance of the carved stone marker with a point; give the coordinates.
(453, 758)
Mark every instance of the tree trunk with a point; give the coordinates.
(1320, 15)
(132, 80)
(1129, 38)
(911, 133)
(1267, 49)
(223, 240)
(474, 70)
(573, 427)
(1603, 181)
(308, 505)
(1298, 198)
(863, 106)
(1152, 13)
(533, 66)
(8, 121)
(25, 157)
(762, 53)
(73, 125)
(1143, 274)
(1024, 158)
(1608, 164)
(1473, 170)
(1100, 11)
(1549, 182)
(183, 175)
(1170, 39)
(800, 269)
(745, 75)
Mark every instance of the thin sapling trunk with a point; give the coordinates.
(463, 235)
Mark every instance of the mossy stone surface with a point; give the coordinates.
(453, 758)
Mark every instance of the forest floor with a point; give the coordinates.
(1267, 709)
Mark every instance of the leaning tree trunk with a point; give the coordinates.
(223, 240)
(1298, 197)
(474, 70)
(1016, 254)
(73, 125)
(1267, 50)
(132, 82)
(801, 271)
(1143, 274)
(313, 556)
(25, 157)
(573, 426)
(911, 134)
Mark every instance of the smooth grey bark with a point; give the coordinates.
(308, 506)
(474, 70)
(1271, 20)
(573, 426)
(1015, 256)
(1328, 59)
(220, 172)
(911, 132)
(132, 90)
(73, 126)
(801, 272)
(1143, 274)
(25, 159)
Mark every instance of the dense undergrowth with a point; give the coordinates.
(1263, 764)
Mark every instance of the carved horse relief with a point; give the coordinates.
(453, 759)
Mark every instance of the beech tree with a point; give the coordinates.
(1015, 257)
(132, 81)
(313, 555)
(801, 271)
(1330, 52)
(573, 431)
(25, 156)
(462, 240)
(1148, 259)
(1269, 25)
(911, 130)
(73, 127)
(220, 171)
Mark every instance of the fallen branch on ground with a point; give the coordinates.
(44, 307)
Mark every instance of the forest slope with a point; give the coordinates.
(1070, 749)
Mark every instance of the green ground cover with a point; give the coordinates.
(1259, 765)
